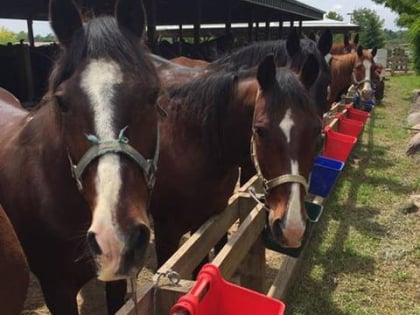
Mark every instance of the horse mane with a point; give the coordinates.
(101, 37)
(290, 92)
(205, 101)
(252, 54)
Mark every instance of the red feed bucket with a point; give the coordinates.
(349, 127)
(356, 114)
(337, 145)
(212, 295)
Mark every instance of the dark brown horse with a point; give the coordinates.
(292, 53)
(354, 69)
(14, 269)
(78, 170)
(206, 136)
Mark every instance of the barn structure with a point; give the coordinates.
(26, 67)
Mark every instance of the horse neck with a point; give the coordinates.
(42, 132)
(341, 71)
(238, 125)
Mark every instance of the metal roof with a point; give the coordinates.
(181, 11)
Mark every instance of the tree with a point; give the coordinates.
(409, 16)
(371, 28)
(332, 15)
(7, 36)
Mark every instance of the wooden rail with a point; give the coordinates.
(244, 252)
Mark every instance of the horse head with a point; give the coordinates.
(104, 90)
(298, 51)
(363, 72)
(286, 131)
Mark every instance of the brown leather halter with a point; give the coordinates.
(269, 184)
(118, 146)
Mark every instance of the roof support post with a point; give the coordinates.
(267, 28)
(280, 29)
(197, 24)
(180, 37)
(300, 27)
(31, 38)
(151, 24)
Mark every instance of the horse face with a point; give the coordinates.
(286, 131)
(109, 126)
(362, 72)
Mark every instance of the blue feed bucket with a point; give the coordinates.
(324, 175)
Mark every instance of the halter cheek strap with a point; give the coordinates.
(269, 184)
(121, 146)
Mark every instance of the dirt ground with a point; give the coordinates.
(91, 299)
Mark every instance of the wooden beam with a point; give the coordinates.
(190, 254)
(31, 38)
(280, 29)
(252, 269)
(240, 242)
(197, 24)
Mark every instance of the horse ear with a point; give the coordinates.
(266, 74)
(65, 20)
(131, 15)
(312, 36)
(360, 51)
(346, 40)
(293, 42)
(325, 42)
(309, 71)
(356, 39)
(374, 51)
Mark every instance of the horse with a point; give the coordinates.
(293, 51)
(212, 119)
(14, 269)
(189, 62)
(8, 99)
(346, 46)
(353, 69)
(77, 171)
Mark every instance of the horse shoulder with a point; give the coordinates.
(13, 268)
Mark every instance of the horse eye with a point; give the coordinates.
(260, 131)
(62, 104)
(153, 96)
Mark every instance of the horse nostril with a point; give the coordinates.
(277, 229)
(93, 244)
(139, 238)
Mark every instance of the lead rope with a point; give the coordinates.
(133, 284)
(174, 279)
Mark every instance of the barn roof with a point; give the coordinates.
(182, 11)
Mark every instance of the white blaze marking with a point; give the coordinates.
(98, 80)
(293, 215)
(286, 124)
(368, 65)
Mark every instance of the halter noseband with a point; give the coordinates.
(269, 184)
(121, 146)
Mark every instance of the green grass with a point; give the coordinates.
(364, 255)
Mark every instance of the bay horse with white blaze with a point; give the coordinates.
(212, 118)
(79, 169)
(353, 69)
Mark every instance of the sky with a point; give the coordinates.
(341, 6)
(345, 6)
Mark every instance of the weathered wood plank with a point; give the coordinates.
(239, 244)
(252, 269)
(190, 254)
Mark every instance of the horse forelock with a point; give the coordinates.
(100, 38)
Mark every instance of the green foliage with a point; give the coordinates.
(334, 16)
(46, 38)
(371, 28)
(7, 36)
(414, 35)
(409, 16)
